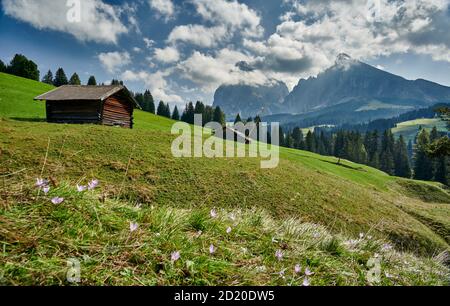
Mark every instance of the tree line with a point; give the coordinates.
(22, 67)
(378, 150)
(60, 79)
(209, 113)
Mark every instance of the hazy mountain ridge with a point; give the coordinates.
(249, 100)
(348, 92)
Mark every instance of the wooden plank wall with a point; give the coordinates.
(116, 112)
(74, 112)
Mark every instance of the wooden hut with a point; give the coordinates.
(109, 105)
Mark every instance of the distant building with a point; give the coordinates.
(107, 105)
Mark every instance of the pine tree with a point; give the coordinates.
(2, 66)
(410, 150)
(149, 102)
(442, 171)
(434, 135)
(238, 119)
(175, 114)
(387, 163)
(282, 141)
(423, 167)
(48, 78)
(297, 135)
(339, 146)
(75, 79)
(161, 109)
(199, 108)
(219, 116)
(208, 114)
(116, 82)
(372, 145)
(310, 142)
(167, 112)
(60, 78)
(92, 81)
(190, 113)
(140, 99)
(401, 160)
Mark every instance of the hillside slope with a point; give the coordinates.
(137, 167)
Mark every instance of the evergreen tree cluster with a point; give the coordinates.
(378, 151)
(164, 110)
(430, 167)
(60, 79)
(208, 113)
(146, 101)
(22, 67)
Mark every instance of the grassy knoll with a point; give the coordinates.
(136, 167)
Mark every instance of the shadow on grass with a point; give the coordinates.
(361, 169)
(29, 119)
(345, 166)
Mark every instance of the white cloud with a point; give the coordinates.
(198, 35)
(311, 36)
(148, 42)
(209, 72)
(164, 7)
(167, 55)
(232, 14)
(137, 49)
(112, 61)
(156, 82)
(100, 22)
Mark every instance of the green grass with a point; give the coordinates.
(42, 237)
(137, 167)
(16, 99)
(409, 129)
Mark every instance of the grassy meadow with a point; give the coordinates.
(329, 218)
(409, 129)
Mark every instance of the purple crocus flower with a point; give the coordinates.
(297, 269)
(279, 255)
(57, 200)
(46, 189)
(306, 282)
(41, 183)
(229, 230)
(308, 272)
(213, 213)
(175, 256)
(81, 188)
(212, 249)
(133, 227)
(93, 184)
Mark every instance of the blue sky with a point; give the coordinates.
(184, 50)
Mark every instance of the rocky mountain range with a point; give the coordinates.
(350, 91)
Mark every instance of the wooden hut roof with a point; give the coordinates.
(87, 93)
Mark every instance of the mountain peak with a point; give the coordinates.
(343, 59)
